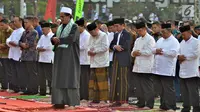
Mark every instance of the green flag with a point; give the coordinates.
(79, 9)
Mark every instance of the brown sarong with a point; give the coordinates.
(98, 84)
(119, 83)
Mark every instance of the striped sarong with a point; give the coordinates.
(98, 84)
(119, 83)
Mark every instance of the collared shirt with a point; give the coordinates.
(144, 62)
(110, 38)
(4, 34)
(118, 39)
(84, 47)
(165, 64)
(29, 37)
(15, 52)
(100, 44)
(45, 42)
(191, 50)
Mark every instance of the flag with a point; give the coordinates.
(50, 14)
(79, 9)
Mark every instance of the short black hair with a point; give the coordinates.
(29, 18)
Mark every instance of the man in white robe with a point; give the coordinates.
(189, 73)
(166, 52)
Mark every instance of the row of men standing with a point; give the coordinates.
(22, 51)
(154, 61)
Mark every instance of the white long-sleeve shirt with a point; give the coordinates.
(199, 40)
(45, 42)
(144, 62)
(84, 47)
(191, 50)
(15, 52)
(100, 44)
(165, 64)
(110, 38)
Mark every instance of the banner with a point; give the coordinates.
(79, 9)
(50, 14)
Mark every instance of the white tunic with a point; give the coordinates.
(45, 42)
(84, 47)
(110, 38)
(15, 52)
(144, 62)
(100, 44)
(191, 50)
(165, 64)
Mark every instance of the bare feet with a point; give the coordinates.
(146, 108)
(125, 105)
(83, 101)
(71, 108)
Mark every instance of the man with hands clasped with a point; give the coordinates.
(189, 74)
(144, 58)
(99, 62)
(166, 52)
(46, 56)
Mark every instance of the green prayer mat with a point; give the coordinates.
(26, 97)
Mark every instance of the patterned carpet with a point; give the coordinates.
(34, 103)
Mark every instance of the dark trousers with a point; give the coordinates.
(14, 84)
(177, 82)
(4, 72)
(132, 80)
(145, 89)
(166, 91)
(29, 77)
(45, 73)
(84, 82)
(110, 68)
(190, 94)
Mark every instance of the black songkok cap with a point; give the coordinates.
(140, 25)
(42, 21)
(176, 22)
(45, 24)
(184, 28)
(119, 21)
(91, 26)
(197, 27)
(110, 23)
(54, 25)
(167, 25)
(80, 22)
(5, 21)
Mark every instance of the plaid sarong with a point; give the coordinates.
(98, 84)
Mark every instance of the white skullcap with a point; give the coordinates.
(66, 10)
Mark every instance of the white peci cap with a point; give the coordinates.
(66, 10)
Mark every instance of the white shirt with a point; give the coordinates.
(191, 50)
(119, 36)
(15, 52)
(45, 42)
(199, 40)
(110, 38)
(165, 64)
(144, 62)
(84, 47)
(100, 44)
